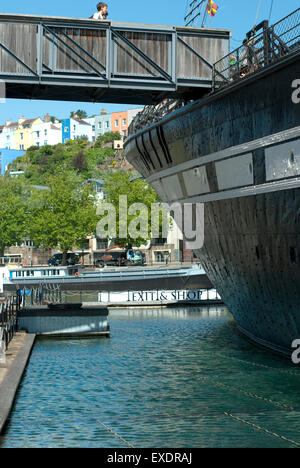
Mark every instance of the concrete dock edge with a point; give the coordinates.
(10, 384)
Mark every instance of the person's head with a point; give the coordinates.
(102, 8)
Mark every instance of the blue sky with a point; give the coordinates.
(238, 15)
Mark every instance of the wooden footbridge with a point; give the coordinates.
(86, 60)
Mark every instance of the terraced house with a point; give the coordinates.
(7, 135)
(48, 132)
(24, 133)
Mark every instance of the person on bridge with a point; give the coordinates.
(102, 12)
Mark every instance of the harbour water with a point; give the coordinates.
(179, 378)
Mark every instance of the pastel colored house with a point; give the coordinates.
(24, 133)
(76, 128)
(102, 123)
(47, 132)
(7, 135)
(120, 121)
(91, 122)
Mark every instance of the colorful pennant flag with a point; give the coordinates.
(211, 8)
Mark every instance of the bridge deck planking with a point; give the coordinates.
(131, 62)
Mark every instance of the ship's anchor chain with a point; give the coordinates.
(262, 429)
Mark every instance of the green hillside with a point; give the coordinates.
(89, 160)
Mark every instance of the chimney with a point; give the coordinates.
(103, 112)
(8, 122)
(47, 118)
(21, 120)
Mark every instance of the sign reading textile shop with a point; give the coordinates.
(158, 297)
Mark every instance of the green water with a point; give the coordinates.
(177, 378)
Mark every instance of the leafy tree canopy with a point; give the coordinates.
(137, 221)
(65, 214)
(13, 212)
(81, 114)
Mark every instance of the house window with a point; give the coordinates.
(45, 132)
(107, 124)
(28, 243)
(93, 128)
(38, 134)
(7, 137)
(66, 129)
(124, 122)
(159, 241)
(21, 136)
(116, 123)
(99, 125)
(45, 142)
(21, 147)
(161, 257)
(124, 133)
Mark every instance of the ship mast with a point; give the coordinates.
(194, 9)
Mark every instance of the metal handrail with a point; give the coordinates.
(264, 46)
(154, 113)
(9, 310)
(42, 294)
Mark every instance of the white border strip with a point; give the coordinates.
(229, 152)
(246, 191)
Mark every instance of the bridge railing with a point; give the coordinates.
(264, 46)
(9, 308)
(109, 54)
(154, 113)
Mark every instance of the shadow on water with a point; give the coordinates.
(180, 377)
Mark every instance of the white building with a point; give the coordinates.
(91, 121)
(132, 114)
(47, 133)
(7, 136)
(72, 129)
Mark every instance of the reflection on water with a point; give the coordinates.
(166, 378)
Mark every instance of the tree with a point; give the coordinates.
(13, 216)
(80, 162)
(64, 215)
(108, 137)
(135, 199)
(80, 114)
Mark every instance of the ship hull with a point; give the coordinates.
(251, 253)
(238, 152)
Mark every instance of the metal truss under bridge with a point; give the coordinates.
(91, 61)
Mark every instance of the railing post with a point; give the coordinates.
(40, 50)
(267, 49)
(109, 56)
(174, 53)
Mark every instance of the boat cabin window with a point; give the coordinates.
(35, 273)
(50, 273)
